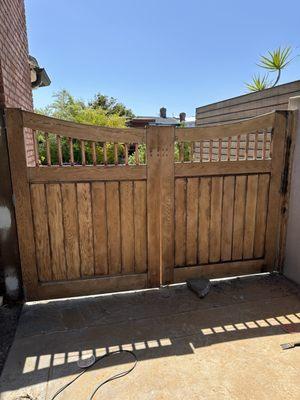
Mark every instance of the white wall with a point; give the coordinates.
(292, 255)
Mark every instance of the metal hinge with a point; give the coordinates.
(285, 173)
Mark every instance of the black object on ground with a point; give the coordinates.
(93, 362)
(200, 286)
(291, 345)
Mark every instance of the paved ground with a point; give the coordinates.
(226, 346)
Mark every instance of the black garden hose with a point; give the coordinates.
(117, 376)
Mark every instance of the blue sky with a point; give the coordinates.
(148, 54)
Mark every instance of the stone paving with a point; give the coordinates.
(225, 346)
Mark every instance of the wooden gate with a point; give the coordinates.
(109, 209)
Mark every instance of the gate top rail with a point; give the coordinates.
(221, 131)
(82, 131)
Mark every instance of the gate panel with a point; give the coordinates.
(95, 216)
(228, 197)
(81, 210)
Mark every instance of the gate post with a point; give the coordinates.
(160, 204)
(21, 193)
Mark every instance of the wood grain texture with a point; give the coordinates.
(127, 226)
(192, 221)
(221, 168)
(227, 218)
(180, 222)
(86, 173)
(223, 131)
(275, 197)
(113, 227)
(239, 217)
(100, 228)
(85, 225)
(166, 148)
(83, 287)
(204, 220)
(56, 230)
(215, 219)
(261, 215)
(82, 131)
(71, 234)
(250, 216)
(153, 207)
(41, 233)
(140, 226)
(219, 270)
(17, 160)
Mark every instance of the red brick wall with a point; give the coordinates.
(15, 84)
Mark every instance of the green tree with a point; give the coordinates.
(111, 106)
(67, 107)
(275, 61)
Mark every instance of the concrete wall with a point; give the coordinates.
(248, 105)
(292, 254)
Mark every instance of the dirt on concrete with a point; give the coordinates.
(9, 316)
(224, 346)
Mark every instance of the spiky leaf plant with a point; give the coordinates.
(259, 83)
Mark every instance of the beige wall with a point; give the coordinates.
(292, 254)
(247, 106)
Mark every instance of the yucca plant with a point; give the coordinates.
(259, 83)
(274, 61)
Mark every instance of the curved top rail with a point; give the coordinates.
(82, 131)
(223, 131)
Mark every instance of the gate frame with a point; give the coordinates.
(161, 171)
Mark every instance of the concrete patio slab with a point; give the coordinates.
(225, 346)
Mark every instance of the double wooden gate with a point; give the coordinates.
(110, 209)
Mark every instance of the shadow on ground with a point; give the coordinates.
(160, 323)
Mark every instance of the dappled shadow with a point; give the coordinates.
(168, 322)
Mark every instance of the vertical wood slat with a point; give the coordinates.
(239, 217)
(238, 145)
(127, 226)
(55, 221)
(85, 226)
(250, 216)
(204, 220)
(140, 226)
(160, 195)
(167, 193)
(275, 197)
(17, 160)
(59, 150)
(113, 227)
(229, 149)
(180, 222)
(36, 149)
(220, 150)
(94, 156)
(116, 158)
(82, 149)
(192, 221)
(100, 228)
(136, 154)
(264, 145)
(41, 234)
(181, 152)
(71, 234)
(71, 149)
(261, 215)
(216, 213)
(227, 218)
(104, 153)
(48, 152)
(126, 153)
